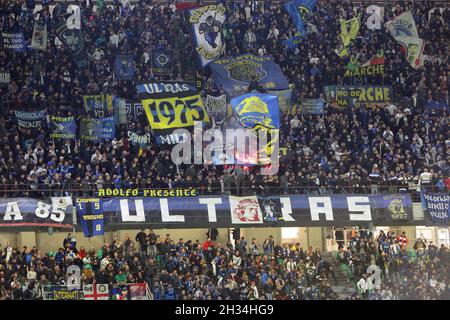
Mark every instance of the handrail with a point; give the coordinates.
(247, 190)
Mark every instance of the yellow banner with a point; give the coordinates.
(169, 113)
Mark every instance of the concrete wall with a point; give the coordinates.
(260, 234)
(310, 236)
(315, 237)
(52, 242)
(6, 237)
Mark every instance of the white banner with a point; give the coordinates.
(207, 23)
(413, 50)
(217, 107)
(39, 39)
(96, 292)
(403, 25)
(5, 77)
(245, 210)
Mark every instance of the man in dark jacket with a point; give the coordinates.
(141, 238)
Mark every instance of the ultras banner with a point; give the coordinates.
(23, 212)
(207, 24)
(283, 211)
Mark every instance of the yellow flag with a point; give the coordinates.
(349, 31)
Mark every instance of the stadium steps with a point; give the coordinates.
(345, 287)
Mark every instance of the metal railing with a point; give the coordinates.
(44, 190)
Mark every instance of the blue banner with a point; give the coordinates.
(74, 40)
(437, 107)
(63, 127)
(26, 212)
(234, 75)
(292, 42)
(312, 106)
(298, 11)
(165, 88)
(124, 66)
(90, 215)
(108, 128)
(13, 41)
(254, 211)
(256, 110)
(30, 119)
(162, 61)
(97, 129)
(436, 208)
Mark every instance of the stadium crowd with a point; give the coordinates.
(245, 270)
(392, 147)
(382, 268)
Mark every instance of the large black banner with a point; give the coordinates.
(74, 40)
(25, 212)
(254, 211)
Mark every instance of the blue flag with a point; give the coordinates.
(436, 207)
(124, 66)
(162, 61)
(312, 106)
(292, 42)
(95, 130)
(90, 213)
(234, 74)
(13, 41)
(256, 110)
(298, 10)
(63, 127)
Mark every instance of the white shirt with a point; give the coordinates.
(425, 177)
(31, 275)
(295, 123)
(114, 39)
(362, 285)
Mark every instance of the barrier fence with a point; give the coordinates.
(245, 189)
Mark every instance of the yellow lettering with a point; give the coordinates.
(365, 94)
(379, 94)
(362, 72)
(386, 94)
